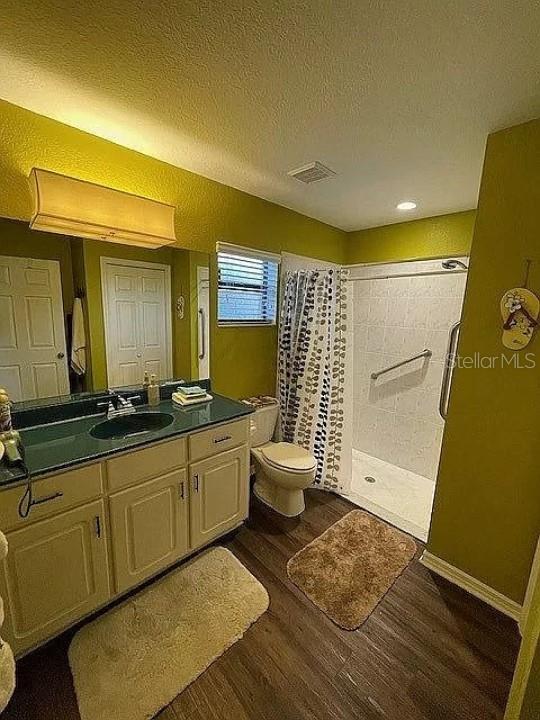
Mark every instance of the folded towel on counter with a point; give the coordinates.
(182, 401)
(7, 674)
(190, 390)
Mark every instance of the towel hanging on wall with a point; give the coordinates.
(78, 339)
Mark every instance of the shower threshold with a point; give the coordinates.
(399, 496)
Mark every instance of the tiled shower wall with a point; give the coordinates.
(396, 417)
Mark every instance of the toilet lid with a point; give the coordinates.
(289, 456)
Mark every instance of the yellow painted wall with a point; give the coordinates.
(531, 702)
(524, 699)
(524, 702)
(486, 518)
(443, 235)
(243, 359)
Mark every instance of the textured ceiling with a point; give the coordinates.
(395, 96)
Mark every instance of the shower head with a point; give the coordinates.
(453, 264)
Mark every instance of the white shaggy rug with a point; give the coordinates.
(134, 660)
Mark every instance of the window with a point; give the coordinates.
(247, 286)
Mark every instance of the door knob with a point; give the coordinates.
(60, 355)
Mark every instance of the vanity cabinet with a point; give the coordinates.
(56, 572)
(149, 528)
(219, 494)
(102, 529)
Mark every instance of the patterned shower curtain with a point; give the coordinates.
(314, 379)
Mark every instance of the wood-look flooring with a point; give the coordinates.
(428, 652)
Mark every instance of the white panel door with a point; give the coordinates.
(123, 332)
(154, 308)
(33, 360)
(137, 309)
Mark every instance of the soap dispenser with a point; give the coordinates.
(153, 391)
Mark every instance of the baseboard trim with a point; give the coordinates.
(472, 585)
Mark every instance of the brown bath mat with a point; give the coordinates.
(348, 569)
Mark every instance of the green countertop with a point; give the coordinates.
(63, 445)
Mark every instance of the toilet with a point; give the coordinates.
(282, 470)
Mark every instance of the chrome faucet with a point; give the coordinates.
(124, 406)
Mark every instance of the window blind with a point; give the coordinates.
(247, 286)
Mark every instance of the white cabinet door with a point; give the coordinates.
(137, 313)
(219, 494)
(56, 571)
(149, 527)
(33, 361)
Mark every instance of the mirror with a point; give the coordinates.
(82, 315)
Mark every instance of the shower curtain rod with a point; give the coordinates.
(409, 274)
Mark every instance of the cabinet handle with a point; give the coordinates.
(181, 490)
(223, 438)
(196, 483)
(47, 498)
(97, 525)
(28, 501)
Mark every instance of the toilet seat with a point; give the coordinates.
(289, 457)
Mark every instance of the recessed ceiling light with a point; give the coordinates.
(407, 205)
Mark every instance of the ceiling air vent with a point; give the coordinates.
(311, 173)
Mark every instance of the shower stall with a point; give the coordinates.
(405, 322)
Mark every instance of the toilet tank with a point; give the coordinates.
(263, 422)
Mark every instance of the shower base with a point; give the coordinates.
(399, 496)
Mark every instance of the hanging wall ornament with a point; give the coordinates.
(520, 308)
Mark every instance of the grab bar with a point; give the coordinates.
(448, 369)
(202, 335)
(423, 354)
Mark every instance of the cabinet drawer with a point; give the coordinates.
(134, 467)
(218, 439)
(57, 493)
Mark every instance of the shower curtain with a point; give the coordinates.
(314, 374)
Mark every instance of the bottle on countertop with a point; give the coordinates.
(153, 391)
(5, 411)
(146, 380)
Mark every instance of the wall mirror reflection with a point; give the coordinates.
(81, 315)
